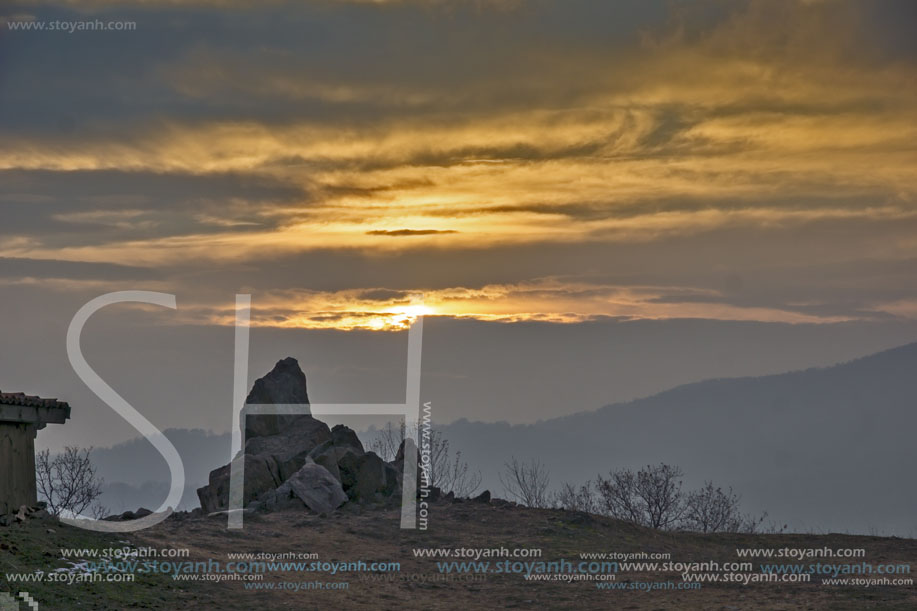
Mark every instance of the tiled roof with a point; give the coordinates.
(19, 398)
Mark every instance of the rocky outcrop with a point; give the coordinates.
(329, 454)
(296, 461)
(279, 499)
(36, 511)
(262, 473)
(367, 478)
(398, 463)
(290, 447)
(284, 385)
(317, 488)
(142, 512)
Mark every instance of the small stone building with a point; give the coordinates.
(21, 417)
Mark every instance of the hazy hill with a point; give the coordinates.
(136, 476)
(821, 449)
(828, 449)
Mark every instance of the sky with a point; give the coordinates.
(550, 173)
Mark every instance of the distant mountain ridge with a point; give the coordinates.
(137, 476)
(822, 449)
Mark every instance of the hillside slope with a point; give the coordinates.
(822, 449)
(373, 535)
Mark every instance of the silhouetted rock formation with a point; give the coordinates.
(284, 385)
(296, 460)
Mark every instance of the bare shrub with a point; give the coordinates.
(447, 470)
(68, 482)
(650, 497)
(527, 483)
(385, 442)
(757, 526)
(710, 509)
(571, 498)
(456, 476)
(653, 497)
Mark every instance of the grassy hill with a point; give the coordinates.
(373, 535)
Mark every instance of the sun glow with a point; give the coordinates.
(400, 317)
(412, 311)
(547, 300)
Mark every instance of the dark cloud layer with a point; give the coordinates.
(540, 161)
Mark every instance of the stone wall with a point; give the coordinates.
(17, 466)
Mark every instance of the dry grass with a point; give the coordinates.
(374, 535)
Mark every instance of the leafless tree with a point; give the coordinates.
(711, 509)
(68, 482)
(653, 497)
(385, 442)
(650, 497)
(571, 498)
(526, 482)
(446, 471)
(619, 496)
(456, 476)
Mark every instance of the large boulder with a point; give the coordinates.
(279, 499)
(343, 436)
(291, 446)
(343, 441)
(262, 473)
(363, 477)
(285, 384)
(399, 455)
(317, 488)
(398, 462)
(425, 489)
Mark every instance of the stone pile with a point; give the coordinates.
(296, 460)
(25, 512)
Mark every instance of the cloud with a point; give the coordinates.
(408, 232)
(47, 269)
(555, 300)
(639, 135)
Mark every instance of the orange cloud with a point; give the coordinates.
(545, 300)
